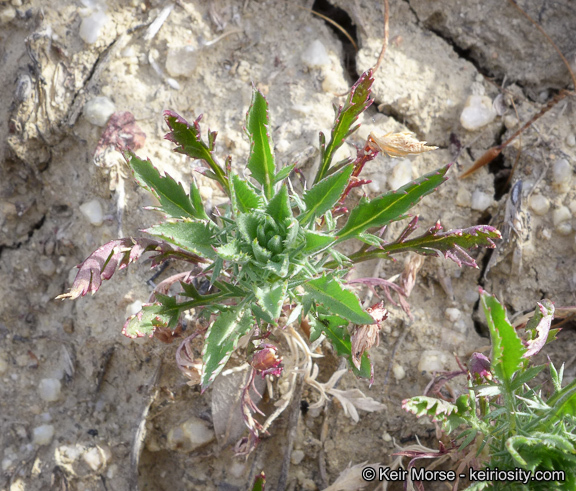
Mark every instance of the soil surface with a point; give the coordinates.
(119, 404)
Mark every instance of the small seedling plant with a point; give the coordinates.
(506, 421)
(269, 258)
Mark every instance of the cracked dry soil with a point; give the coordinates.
(120, 398)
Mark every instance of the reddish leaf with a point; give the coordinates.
(117, 254)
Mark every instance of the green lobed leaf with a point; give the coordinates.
(260, 254)
(221, 340)
(248, 225)
(328, 292)
(358, 100)
(279, 206)
(189, 142)
(325, 194)
(232, 252)
(391, 206)
(435, 409)
(261, 161)
(244, 198)
(280, 266)
(507, 347)
(271, 298)
(145, 322)
(174, 201)
(196, 237)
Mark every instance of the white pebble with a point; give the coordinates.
(46, 266)
(562, 175)
(315, 56)
(539, 204)
(6, 464)
(182, 61)
(7, 15)
(386, 437)
(206, 192)
(297, 457)
(92, 210)
(42, 435)
(571, 140)
(401, 174)
(97, 457)
(510, 121)
(477, 112)
(561, 214)
(332, 83)
(564, 228)
(190, 435)
(92, 25)
(98, 110)
(480, 200)
(398, 371)
(464, 197)
(432, 361)
(452, 314)
(49, 389)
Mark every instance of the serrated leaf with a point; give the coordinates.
(145, 322)
(221, 340)
(118, 254)
(435, 409)
(279, 206)
(391, 206)
(260, 254)
(293, 229)
(261, 160)
(271, 298)
(244, 198)
(189, 142)
(325, 194)
(232, 252)
(174, 201)
(248, 226)
(358, 100)
(434, 242)
(507, 348)
(328, 292)
(196, 237)
(316, 241)
(280, 266)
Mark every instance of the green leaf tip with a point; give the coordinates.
(189, 142)
(261, 160)
(358, 101)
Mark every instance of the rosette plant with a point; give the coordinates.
(269, 257)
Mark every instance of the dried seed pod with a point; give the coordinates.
(398, 144)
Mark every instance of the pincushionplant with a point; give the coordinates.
(270, 256)
(505, 421)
